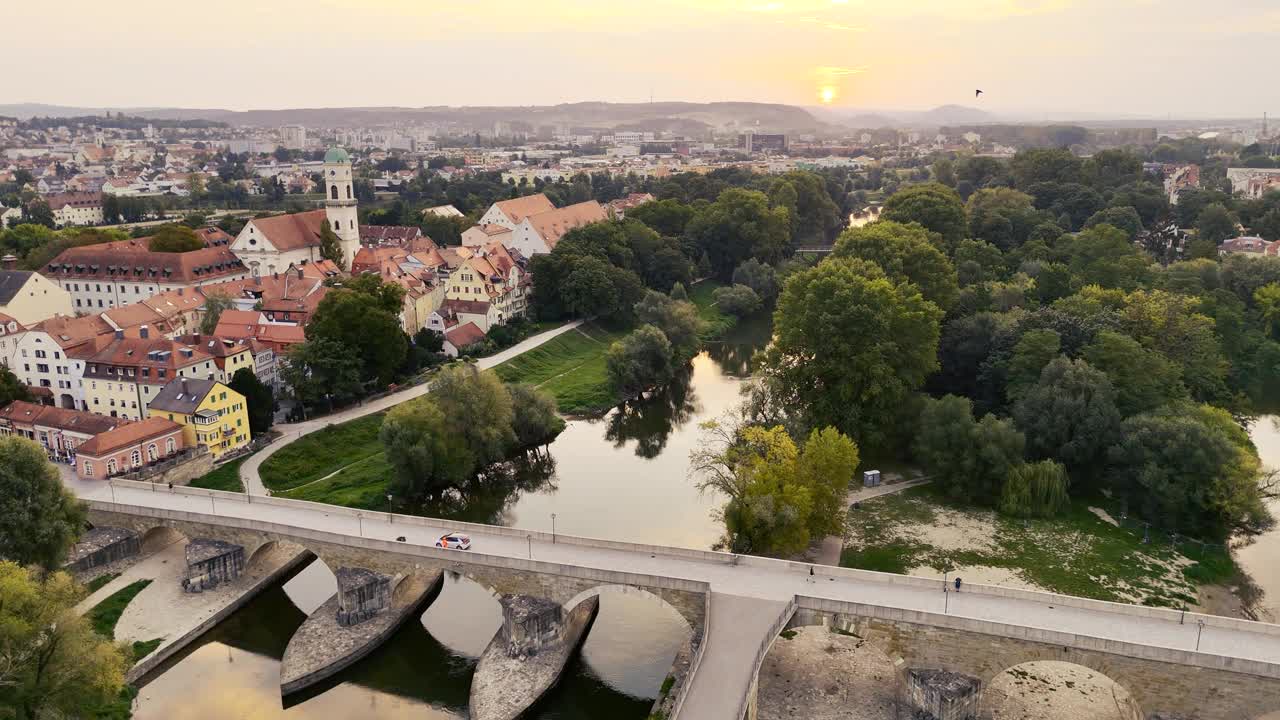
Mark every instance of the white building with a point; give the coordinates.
(76, 209)
(539, 233)
(293, 137)
(271, 245)
(510, 213)
(29, 297)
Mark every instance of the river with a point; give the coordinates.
(1261, 559)
(623, 477)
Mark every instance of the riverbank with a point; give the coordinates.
(1083, 553)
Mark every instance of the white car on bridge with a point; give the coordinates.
(454, 541)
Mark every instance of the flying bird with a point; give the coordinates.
(976, 93)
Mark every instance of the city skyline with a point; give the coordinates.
(1122, 58)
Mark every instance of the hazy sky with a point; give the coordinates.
(1201, 57)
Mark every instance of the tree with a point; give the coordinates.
(814, 214)
(1069, 415)
(358, 316)
(38, 213)
(323, 368)
(679, 293)
(536, 420)
(969, 458)
(331, 246)
(1035, 350)
(11, 388)
(1215, 224)
(668, 217)
(421, 446)
(1002, 216)
(1189, 468)
(758, 276)
(258, 397)
(1053, 281)
(1104, 256)
(739, 225)
(640, 361)
(857, 386)
(779, 496)
(42, 519)
(1267, 298)
(1040, 165)
(1143, 379)
(174, 239)
(1035, 490)
(905, 253)
(1123, 218)
(52, 662)
(214, 303)
(935, 206)
(737, 300)
(677, 319)
(479, 410)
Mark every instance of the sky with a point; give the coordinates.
(1139, 57)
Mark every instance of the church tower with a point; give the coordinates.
(340, 202)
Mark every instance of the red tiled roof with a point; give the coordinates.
(131, 260)
(292, 231)
(522, 207)
(551, 226)
(80, 421)
(126, 436)
(464, 335)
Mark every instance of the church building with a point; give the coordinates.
(270, 245)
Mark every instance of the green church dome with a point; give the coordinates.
(336, 155)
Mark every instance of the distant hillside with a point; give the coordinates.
(681, 116)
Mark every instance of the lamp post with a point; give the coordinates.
(390, 517)
(553, 528)
(529, 539)
(946, 593)
(212, 509)
(360, 523)
(1199, 631)
(113, 489)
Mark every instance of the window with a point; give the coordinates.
(153, 453)
(111, 467)
(135, 458)
(333, 192)
(348, 192)
(88, 468)
(169, 446)
(336, 226)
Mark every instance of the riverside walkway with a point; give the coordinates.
(249, 471)
(748, 594)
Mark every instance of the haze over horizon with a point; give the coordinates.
(1106, 57)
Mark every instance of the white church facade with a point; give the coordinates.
(270, 245)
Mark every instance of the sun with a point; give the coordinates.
(827, 93)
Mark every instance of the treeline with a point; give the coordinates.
(1023, 345)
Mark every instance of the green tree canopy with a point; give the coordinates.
(323, 368)
(677, 319)
(1122, 218)
(427, 455)
(935, 206)
(851, 344)
(535, 419)
(174, 239)
(479, 410)
(1002, 216)
(214, 303)
(258, 397)
(905, 253)
(1069, 415)
(1143, 379)
(758, 276)
(1215, 224)
(1103, 255)
(640, 361)
(52, 663)
(364, 316)
(1035, 490)
(668, 217)
(41, 518)
(737, 300)
(968, 458)
(737, 226)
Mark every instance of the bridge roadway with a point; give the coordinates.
(748, 594)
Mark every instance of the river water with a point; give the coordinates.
(622, 477)
(1261, 559)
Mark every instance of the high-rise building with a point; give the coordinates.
(293, 137)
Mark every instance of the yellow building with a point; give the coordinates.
(210, 413)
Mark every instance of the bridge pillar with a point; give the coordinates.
(361, 595)
(211, 563)
(943, 695)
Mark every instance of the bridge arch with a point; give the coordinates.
(158, 538)
(627, 590)
(1055, 689)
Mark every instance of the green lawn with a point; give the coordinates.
(571, 367)
(1077, 554)
(313, 456)
(360, 485)
(106, 614)
(142, 649)
(224, 477)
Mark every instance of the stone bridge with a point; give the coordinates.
(1175, 665)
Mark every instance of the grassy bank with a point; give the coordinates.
(1082, 553)
(313, 456)
(224, 477)
(106, 614)
(571, 367)
(362, 484)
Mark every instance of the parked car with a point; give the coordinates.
(454, 541)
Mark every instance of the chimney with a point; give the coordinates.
(142, 332)
(180, 292)
(184, 386)
(299, 273)
(9, 262)
(119, 334)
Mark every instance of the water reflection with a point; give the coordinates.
(489, 499)
(649, 421)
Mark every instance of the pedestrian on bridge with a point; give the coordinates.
(957, 584)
